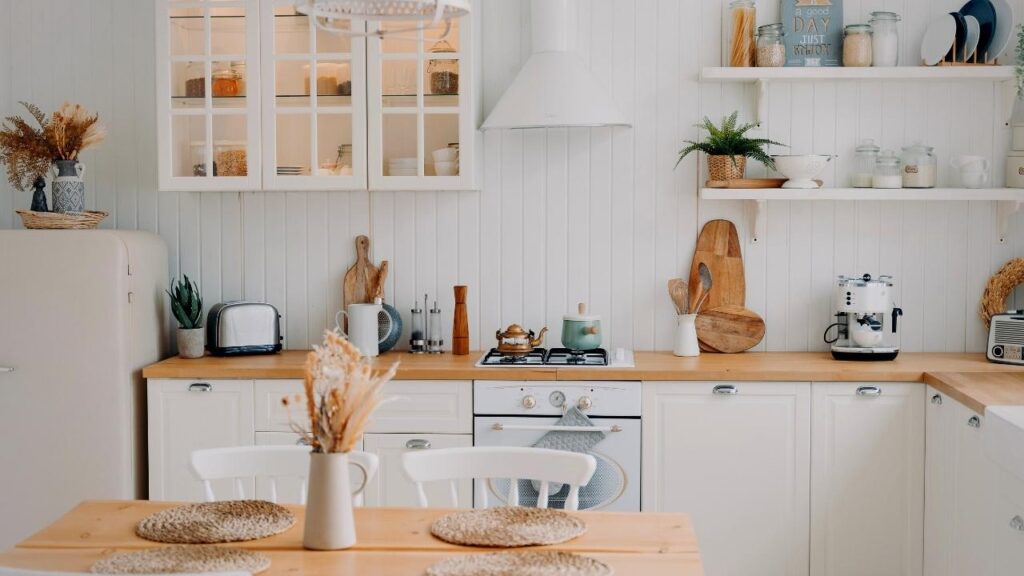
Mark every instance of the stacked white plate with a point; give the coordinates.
(402, 167)
(290, 170)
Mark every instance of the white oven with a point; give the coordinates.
(520, 413)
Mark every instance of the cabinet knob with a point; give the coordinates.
(200, 387)
(417, 444)
(725, 390)
(1017, 523)
(974, 422)
(869, 391)
(937, 400)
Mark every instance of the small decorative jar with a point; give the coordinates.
(887, 171)
(864, 159)
(857, 45)
(443, 72)
(920, 169)
(743, 15)
(885, 38)
(771, 50)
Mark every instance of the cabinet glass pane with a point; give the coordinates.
(227, 30)
(441, 132)
(230, 156)
(187, 32)
(400, 142)
(406, 43)
(399, 80)
(187, 81)
(188, 138)
(333, 79)
(334, 43)
(334, 144)
(291, 78)
(441, 82)
(291, 31)
(434, 35)
(293, 142)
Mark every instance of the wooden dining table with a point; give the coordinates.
(389, 541)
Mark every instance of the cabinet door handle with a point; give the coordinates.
(6, 369)
(974, 422)
(937, 400)
(725, 390)
(1017, 523)
(869, 391)
(417, 444)
(200, 387)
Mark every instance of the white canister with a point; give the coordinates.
(685, 341)
(364, 326)
(1015, 170)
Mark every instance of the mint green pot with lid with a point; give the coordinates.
(581, 331)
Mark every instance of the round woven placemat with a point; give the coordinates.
(508, 527)
(216, 522)
(547, 563)
(182, 559)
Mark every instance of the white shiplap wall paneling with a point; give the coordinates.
(595, 215)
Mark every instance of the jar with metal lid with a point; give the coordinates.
(887, 171)
(857, 45)
(771, 49)
(864, 159)
(885, 38)
(225, 82)
(920, 168)
(443, 73)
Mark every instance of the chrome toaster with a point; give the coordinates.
(238, 328)
(1006, 338)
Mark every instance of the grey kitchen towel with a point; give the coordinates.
(581, 442)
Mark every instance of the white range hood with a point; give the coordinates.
(554, 88)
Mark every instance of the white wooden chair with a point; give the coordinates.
(272, 463)
(21, 572)
(514, 463)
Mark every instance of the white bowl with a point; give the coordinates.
(445, 155)
(801, 169)
(446, 168)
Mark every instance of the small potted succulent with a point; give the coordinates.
(187, 307)
(728, 147)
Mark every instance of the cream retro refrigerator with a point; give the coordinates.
(81, 312)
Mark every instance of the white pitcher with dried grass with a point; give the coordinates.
(342, 391)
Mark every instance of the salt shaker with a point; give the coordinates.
(685, 340)
(418, 339)
(435, 341)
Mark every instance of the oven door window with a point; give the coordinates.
(605, 487)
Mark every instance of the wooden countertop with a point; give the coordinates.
(968, 378)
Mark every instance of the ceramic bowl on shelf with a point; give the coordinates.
(801, 169)
(446, 168)
(445, 155)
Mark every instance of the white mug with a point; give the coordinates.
(973, 170)
(363, 322)
(974, 178)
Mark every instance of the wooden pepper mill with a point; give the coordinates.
(460, 325)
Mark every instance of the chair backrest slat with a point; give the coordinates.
(542, 495)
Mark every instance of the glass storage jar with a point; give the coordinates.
(443, 73)
(238, 68)
(857, 50)
(885, 38)
(344, 161)
(864, 158)
(230, 158)
(225, 82)
(743, 15)
(197, 156)
(920, 168)
(887, 171)
(195, 83)
(771, 50)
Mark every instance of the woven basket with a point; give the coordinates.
(87, 220)
(722, 167)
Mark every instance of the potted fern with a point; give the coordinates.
(728, 147)
(187, 307)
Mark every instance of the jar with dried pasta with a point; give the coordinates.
(743, 15)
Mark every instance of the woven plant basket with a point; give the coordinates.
(87, 220)
(999, 287)
(723, 168)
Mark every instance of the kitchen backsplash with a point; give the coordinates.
(596, 215)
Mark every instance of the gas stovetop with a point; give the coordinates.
(599, 358)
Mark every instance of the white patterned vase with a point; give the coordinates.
(68, 186)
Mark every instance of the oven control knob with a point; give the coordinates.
(529, 402)
(557, 399)
(584, 403)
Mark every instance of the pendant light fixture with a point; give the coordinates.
(428, 13)
(554, 88)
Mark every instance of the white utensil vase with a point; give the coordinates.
(329, 521)
(685, 341)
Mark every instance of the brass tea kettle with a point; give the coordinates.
(517, 341)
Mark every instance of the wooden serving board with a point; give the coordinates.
(361, 280)
(718, 247)
(729, 329)
(751, 183)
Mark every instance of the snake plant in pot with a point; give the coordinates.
(187, 307)
(728, 147)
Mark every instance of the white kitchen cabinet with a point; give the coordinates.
(1007, 515)
(187, 415)
(392, 487)
(940, 485)
(736, 457)
(974, 481)
(867, 479)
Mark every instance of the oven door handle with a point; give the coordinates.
(498, 427)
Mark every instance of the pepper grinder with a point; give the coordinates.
(460, 323)
(418, 341)
(435, 341)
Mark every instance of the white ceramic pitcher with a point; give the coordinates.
(363, 326)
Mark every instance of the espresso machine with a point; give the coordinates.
(866, 319)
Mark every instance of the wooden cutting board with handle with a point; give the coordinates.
(718, 246)
(361, 280)
(729, 329)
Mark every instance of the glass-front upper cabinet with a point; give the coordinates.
(314, 101)
(422, 106)
(207, 68)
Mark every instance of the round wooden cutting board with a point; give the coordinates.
(729, 329)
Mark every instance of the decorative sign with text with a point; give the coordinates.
(814, 32)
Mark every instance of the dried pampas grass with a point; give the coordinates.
(28, 150)
(341, 393)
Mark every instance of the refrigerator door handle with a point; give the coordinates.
(6, 369)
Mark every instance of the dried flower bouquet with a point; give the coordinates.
(28, 150)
